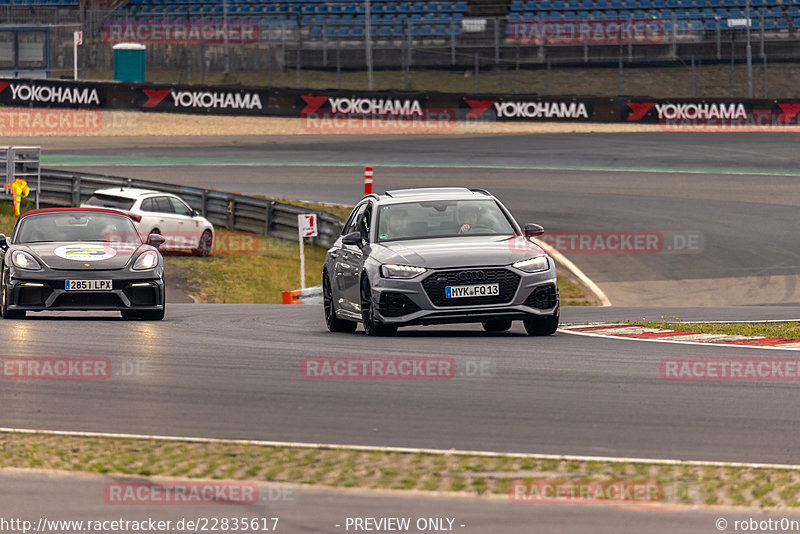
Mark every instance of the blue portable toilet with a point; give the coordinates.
(129, 62)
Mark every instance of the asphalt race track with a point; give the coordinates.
(735, 195)
(236, 372)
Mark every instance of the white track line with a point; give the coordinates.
(699, 343)
(405, 450)
(576, 272)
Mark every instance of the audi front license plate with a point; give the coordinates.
(87, 285)
(481, 290)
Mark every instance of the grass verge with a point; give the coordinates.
(786, 330)
(456, 473)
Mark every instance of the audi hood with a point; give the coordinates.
(451, 252)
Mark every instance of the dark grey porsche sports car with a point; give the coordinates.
(80, 259)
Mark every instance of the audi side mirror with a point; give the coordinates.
(3, 242)
(353, 238)
(156, 240)
(533, 230)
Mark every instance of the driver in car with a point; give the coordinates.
(468, 216)
(396, 224)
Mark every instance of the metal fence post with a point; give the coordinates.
(719, 37)
(452, 42)
(477, 73)
(496, 41)
(325, 42)
(268, 218)
(76, 189)
(204, 203)
(516, 69)
(230, 212)
(693, 79)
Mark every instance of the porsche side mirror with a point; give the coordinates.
(156, 240)
(195, 213)
(353, 238)
(533, 230)
(3, 242)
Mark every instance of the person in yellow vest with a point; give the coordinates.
(19, 189)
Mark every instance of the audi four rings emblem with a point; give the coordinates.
(471, 276)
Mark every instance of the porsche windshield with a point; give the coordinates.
(76, 226)
(442, 218)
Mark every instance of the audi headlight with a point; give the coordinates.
(146, 261)
(26, 261)
(533, 265)
(390, 270)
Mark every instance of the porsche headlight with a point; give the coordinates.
(390, 270)
(26, 261)
(146, 261)
(533, 265)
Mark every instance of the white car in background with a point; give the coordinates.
(159, 213)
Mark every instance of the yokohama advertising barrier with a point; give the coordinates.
(329, 111)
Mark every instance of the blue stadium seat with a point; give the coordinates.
(645, 4)
(559, 5)
(616, 4)
(583, 15)
(418, 7)
(625, 15)
(460, 7)
(517, 5)
(601, 4)
(794, 11)
(769, 24)
(391, 7)
(544, 5)
(796, 22)
(783, 24)
(514, 16)
(316, 32)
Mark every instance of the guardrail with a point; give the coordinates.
(228, 210)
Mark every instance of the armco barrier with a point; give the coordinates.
(228, 210)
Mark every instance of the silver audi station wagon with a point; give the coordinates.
(437, 256)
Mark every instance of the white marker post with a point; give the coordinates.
(306, 227)
(77, 40)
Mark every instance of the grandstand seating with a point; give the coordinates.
(685, 15)
(441, 18)
(330, 18)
